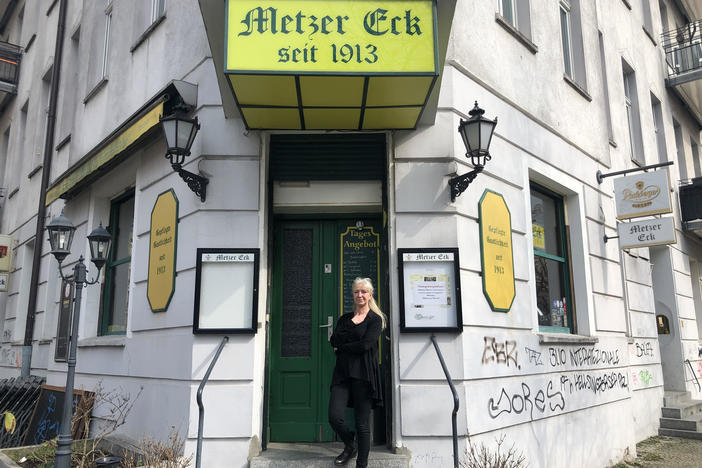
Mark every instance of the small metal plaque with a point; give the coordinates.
(327, 268)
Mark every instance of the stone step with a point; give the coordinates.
(321, 455)
(685, 410)
(673, 399)
(680, 433)
(694, 424)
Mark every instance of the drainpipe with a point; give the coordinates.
(46, 173)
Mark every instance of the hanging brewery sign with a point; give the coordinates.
(642, 194)
(658, 231)
(5, 252)
(162, 251)
(496, 251)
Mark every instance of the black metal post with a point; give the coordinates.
(63, 450)
(455, 401)
(201, 406)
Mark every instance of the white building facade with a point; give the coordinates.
(573, 371)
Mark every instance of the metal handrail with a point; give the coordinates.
(201, 407)
(455, 401)
(699, 389)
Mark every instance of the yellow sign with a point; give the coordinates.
(331, 64)
(5, 252)
(496, 251)
(537, 233)
(395, 36)
(162, 251)
(105, 155)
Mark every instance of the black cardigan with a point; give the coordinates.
(358, 344)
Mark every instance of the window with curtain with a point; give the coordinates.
(115, 296)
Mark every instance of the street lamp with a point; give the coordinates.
(61, 232)
(180, 133)
(476, 133)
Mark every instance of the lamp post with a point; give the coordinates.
(61, 232)
(476, 133)
(180, 133)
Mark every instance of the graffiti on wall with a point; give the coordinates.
(9, 357)
(541, 379)
(500, 352)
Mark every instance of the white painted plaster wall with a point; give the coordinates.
(547, 132)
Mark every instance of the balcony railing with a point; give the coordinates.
(683, 48)
(10, 55)
(691, 203)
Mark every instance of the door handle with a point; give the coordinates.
(329, 326)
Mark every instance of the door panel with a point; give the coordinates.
(313, 261)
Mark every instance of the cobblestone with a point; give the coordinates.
(666, 452)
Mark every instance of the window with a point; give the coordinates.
(516, 13)
(658, 128)
(97, 32)
(647, 19)
(106, 43)
(695, 158)
(115, 296)
(682, 163)
(158, 8)
(632, 116)
(572, 42)
(551, 266)
(605, 87)
(664, 15)
(566, 37)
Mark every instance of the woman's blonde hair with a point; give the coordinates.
(368, 284)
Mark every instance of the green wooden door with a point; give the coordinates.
(314, 260)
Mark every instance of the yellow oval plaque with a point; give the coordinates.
(162, 251)
(496, 251)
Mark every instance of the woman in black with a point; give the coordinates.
(356, 380)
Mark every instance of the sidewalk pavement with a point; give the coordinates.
(666, 452)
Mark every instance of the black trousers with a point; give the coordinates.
(359, 391)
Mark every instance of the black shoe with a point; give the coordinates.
(344, 457)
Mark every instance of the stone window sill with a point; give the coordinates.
(650, 35)
(565, 339)
(525, 41)
(107, 341)
(577, 87)
(96, 89)
(146, 33)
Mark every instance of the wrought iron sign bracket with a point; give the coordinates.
(460, 184)
(599, 175)
(606, 238)
(196, 183)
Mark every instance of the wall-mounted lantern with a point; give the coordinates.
(180, 133)
(476, 133)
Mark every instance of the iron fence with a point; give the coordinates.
(18, 396)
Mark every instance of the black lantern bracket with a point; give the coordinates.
(196, 183)
(460, 183)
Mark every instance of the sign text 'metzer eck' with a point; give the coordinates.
(261, 20)
(331, 36)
